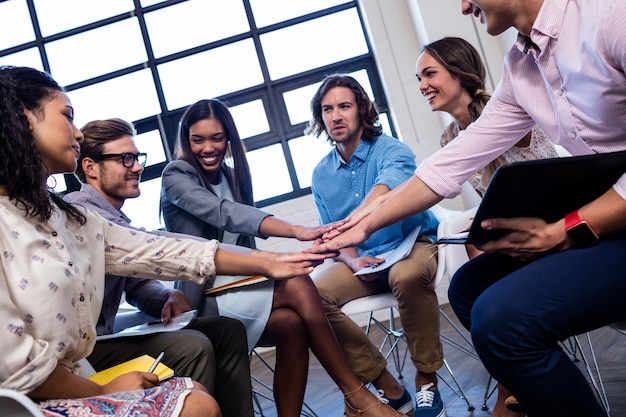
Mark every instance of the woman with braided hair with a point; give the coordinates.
(452, 78)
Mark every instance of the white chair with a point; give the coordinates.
(16, 404)
(393, 334)
(451, 258)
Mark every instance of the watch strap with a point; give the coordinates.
(579, 231)
(572, 219)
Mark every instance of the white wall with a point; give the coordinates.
(397, 30)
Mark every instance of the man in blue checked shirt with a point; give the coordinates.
(365, 164)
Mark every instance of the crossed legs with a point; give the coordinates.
(298, 322)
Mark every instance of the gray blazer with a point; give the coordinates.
(188, 206)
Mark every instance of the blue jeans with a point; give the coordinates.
(517, 312)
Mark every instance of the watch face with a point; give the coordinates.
(582, 235)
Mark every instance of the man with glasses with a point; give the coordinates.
(209, 349)
(128, 158)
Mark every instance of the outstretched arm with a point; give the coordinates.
(314, 258)
(272, 226)
(291, 265)
(411, 197)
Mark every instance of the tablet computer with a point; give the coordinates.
(545, 188)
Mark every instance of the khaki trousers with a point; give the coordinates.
(411, 281)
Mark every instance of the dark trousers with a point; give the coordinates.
(517, 312)
(210, 350)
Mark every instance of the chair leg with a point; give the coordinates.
(307, 411)
(458, 390)
(395, 335)
(392, 338)
(489, 390)
(467, 350)
(573, 345)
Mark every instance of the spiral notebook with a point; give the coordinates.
(544, 188)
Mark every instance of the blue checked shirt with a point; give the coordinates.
(339, 188)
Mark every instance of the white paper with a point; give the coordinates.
(393, 256)
(176, 323)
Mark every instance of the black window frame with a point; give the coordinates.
(270, 91)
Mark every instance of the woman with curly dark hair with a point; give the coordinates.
(56, 255)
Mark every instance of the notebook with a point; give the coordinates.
(544, 188)
(141, 363)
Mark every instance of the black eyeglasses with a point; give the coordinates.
(128, 159)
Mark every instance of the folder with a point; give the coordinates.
(235, 284)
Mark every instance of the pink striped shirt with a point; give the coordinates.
(569, 77)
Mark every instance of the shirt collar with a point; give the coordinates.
(360, 154)
(103, 202)
(547, 27)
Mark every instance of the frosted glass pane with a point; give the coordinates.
(150, 143)
(307, 152)
(144, 210)
(363, 79)
(383, 119)
(210, 74)
(298, 101)
(27, 58)
(193, 23)
(57, 182)
(16, 27)
(93, 53)
(54, 16)
(250, 118)
(269, 12)
(270, 176)
(312, 45)
(131, 97)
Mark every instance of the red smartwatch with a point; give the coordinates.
(579, 231)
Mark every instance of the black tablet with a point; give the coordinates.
(545, 188)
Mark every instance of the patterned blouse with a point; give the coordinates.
(540, 148)
(52, 284)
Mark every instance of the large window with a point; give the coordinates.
(146, 61)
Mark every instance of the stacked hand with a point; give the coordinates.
(308, 233)
(289, 265)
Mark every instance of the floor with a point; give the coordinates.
(324, 401)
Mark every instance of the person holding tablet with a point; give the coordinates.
(542, 282)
